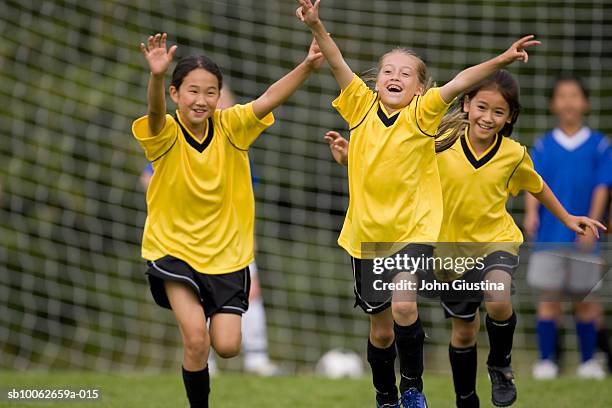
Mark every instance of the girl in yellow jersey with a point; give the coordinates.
(394, 190)
(478, 171)
(198, 237)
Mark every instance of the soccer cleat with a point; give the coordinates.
(413, 398)
(545, 370)
(468, 401)
(503, 390)
(591, 369)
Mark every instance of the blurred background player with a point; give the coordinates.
(573, 159)
(254, 334)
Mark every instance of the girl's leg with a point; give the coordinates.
(409, 335)
(587, 313)
(549, 314)
(226, 334)
(500, 322)
(381, 356)
(196, 342)
(463, 358)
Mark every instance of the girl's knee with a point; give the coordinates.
(227, 348)
(499, 310)
(464, 334)
(197, 346)
(382, 337)
(404, 313)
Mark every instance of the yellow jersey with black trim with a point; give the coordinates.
(394, 187)
(476, 189)
(200, 201)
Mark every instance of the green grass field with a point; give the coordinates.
(235, 390)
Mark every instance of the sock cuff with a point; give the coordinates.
(375, 353)
(461, 350)
(195, 374)
(547, 322)
(413, 329)
(511, 320)
(585, 325)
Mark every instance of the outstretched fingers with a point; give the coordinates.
(593, 225)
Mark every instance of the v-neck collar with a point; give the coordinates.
(386, 119)
(191, 139)
(475, 161)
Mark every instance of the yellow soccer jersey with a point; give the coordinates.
(200, 201)
(394, 187)
(476, 189)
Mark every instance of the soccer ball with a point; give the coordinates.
(339, 363)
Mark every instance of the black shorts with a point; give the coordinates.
(223, 293)
(372, 303)
(451, 300)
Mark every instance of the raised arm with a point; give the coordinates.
(282, 89)
(159, 60)
(576, 224)
(473, 75)
(309, 14)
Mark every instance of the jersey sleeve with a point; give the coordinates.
(429, 111)
(242, 126)
(354, 101)
(525, 177)
(158, 145)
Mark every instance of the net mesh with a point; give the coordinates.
(72, 210)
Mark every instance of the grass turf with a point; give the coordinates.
(235, 390)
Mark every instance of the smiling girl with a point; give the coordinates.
(198, 237)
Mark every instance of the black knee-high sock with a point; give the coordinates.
(501, 335)
(382, 362)
(464, 363)
(197, 385)
(409, 341)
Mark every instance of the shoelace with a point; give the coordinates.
(410, 399)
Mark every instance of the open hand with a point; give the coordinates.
(517, 52)
(156, 54)
(308, 13)
(338, 146)
(580, 225)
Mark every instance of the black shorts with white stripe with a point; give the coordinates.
(223, 293)
(464, 306)
(374, 301)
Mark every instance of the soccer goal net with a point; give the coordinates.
(72, 286)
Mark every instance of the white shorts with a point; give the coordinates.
(565, 271)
